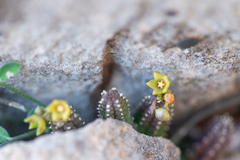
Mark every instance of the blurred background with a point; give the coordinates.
(73, 49)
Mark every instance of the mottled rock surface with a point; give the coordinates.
(195, 43)
(61, 45)
(103, 140)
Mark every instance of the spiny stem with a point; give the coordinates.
(21, 93)
(13, 104)
(192, 121)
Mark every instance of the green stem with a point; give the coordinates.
(7, 119)
(13, 104)
(21, 93)
(200, 115)
(22, 136)
(19, 137)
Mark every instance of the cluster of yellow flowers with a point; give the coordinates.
(160, 85)
(57, 110)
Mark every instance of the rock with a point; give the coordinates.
(195, 43)
(60, 46)
(102, 140)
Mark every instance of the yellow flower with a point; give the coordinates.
(159, 84)
(36, 122)
(59, 110)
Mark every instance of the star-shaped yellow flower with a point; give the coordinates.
(36, 122)
(59, 110)
(159, 84)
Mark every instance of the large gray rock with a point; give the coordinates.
(60, 45)
(195, 43)
(102, 140)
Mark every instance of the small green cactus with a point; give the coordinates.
(114, 105)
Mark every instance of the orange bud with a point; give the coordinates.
(169, 97)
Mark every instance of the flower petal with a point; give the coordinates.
(28, 119)
(66, 114)
(167, 84)
(166, 81)
(41, 127)
(152, 84)
(157, 76)
(56, 116)
(51, 107)
(157, 91)
(33, 125)
(165, 90)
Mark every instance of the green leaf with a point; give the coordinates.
(8, 70)
(4, 136)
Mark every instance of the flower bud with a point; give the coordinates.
(169, 97)
(162, 114)
(39, 111)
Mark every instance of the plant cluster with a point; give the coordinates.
(152, 117)
(59, 115)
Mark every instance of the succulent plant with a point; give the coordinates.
(113, 104)
(215, 139)
(58, 113)
(73, 122)
(147, 122)
(164, 97)
(153, 115)
(59, 109)
(38, 122)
